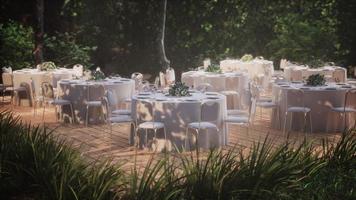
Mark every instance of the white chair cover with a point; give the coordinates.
(78, 68)
(170, 76)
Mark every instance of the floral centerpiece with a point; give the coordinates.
(213, 68)
(179, 89)
(98, 75)
(315, 63)
(315, 80)
(46, 66)
(246, 58)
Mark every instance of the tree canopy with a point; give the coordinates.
(121, 36)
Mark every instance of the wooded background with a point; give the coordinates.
(122, 36)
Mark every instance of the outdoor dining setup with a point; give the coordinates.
(195, 111)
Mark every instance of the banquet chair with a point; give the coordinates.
(162, 80)
(204, 87)
(265, 103)
(113, 101)
(35, 98)
(209, 114)
(93, 100)
(347, 108)
(138, 78)
(299, 107)
(78, 69)
(147, 123)
(170, 76)
(50, 98)
(110, 118)
(242, 118)
(8, 86)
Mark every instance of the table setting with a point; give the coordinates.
(255, 67)
(177, 108)
(319, 96)
(77, 91)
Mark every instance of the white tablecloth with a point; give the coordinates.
(221, 82)
(77, 92)
(38, 77)
(299, 73)
(256, 68)
(177, 112)
(319, 99)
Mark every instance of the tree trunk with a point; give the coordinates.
(165, 63)
(38, 52)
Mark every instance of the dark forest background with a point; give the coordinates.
(122, 36)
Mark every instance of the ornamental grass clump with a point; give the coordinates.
(35, 163)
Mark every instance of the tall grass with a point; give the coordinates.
(31, 159)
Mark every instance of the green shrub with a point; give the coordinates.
(63, 49)
(17, 44)
(35, 163)
(32, 159)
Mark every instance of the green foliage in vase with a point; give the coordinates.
(98, 75)
(316, 80)
(213, 68)
(47, 66)
(246, 58)
(16, 45)
(179, 89)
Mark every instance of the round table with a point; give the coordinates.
(319, 100)
(257, 68)
(38, 77)
(226, 83)
(77, 91)
(299, 73)
(177, 112)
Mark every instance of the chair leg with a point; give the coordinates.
(34, 108)
(86, 116)
(186, 139)
(311, 123)
(165, 138)
(44, 109)
(285, 123)
(135, 139)
(146, 138)
(72, 112)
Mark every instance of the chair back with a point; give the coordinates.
(95, 92)
(145, 111)
(106, 107)
(32, 89)
(294, 98)
(79, 69)
(138, 77)
(47, 90)
(350, 99)
(7, 79)
(252, 109)
(210, 111)
(162, 79)
(170, 76)
(204, 87)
